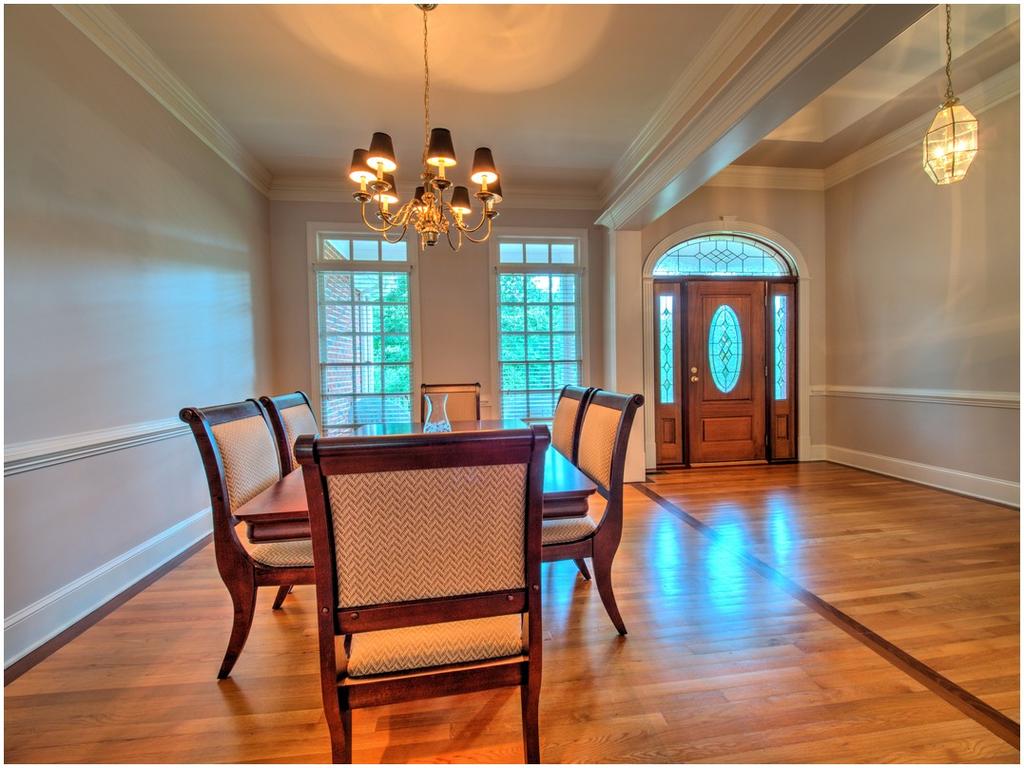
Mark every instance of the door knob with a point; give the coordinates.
(693, 369)
(693, 378)
(693, 373)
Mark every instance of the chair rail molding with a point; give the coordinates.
(28, 628)
(50, 451)
(989, 93)
(971, 397)
(112, 35)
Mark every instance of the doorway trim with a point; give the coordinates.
(797, 262)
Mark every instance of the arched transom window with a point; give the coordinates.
(722, 255)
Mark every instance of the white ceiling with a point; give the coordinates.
(908, 59)
(557, 91)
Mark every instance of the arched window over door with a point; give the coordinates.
(722, 255)
(724, 324)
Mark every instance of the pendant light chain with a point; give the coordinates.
(949, 56)
(426, 90)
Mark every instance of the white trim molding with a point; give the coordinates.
(977, 398)
(50, 451)
(28, 628)
(967, 483)
(112, 35)
(767, 177)
(985, 95)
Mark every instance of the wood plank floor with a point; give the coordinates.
(721, 665)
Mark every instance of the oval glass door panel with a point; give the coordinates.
(725, 348)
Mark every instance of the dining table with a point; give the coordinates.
(281, 511)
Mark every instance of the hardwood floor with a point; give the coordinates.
(721, 664)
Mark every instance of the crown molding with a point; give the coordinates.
(983, 96)
(112, 35)
(327, 190)
(767, 177)
(712, 62)
(807, 52)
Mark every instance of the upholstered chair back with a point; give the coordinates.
(420, 517)
(249, 457)
(565, 427)
(290, 415)
(463, 400)
(604, 436)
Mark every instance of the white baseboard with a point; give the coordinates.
(979, 486)
(27, 629)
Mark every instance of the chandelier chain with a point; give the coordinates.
(949, 55)
(426, 90)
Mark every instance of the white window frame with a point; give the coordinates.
(316, 229)
(544, 235)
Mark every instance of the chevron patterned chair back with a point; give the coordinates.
(290, 415)
(568, 419)
(240, 460)
(427, 551)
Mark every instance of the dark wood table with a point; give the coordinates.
(281, 511)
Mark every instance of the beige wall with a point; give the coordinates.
(136, 268)
(923, 293)
(454, 294)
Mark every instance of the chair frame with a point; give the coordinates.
(601, 545)
(273, 406)
(322, 457)
(429, 388)
(242, 575)
(583, 395)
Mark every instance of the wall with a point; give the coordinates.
(923, 296)
(136, 263)
(454, 289)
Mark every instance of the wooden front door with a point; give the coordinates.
(725, 370)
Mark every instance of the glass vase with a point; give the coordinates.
(436, 418)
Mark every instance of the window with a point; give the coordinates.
(722, 255)
(364, 338)
(666, 348)
(539, 321)
(725, 348)
(781, 351)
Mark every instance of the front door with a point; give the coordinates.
(725, 370)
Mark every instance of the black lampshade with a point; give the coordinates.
(440, 149)
(495, 189)
(382, 153)
(360, 169)
(391, 195)
(484, 171)
(460, 200)
(418, 195)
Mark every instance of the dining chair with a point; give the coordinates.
(603, 440)
(568, 419)
(241, 460)
(463, 400)
(427, 551)
(290, 415)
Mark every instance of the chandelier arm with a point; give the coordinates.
(462, 227)
(453, 246)
(482, 239)
(398, 239)
(379, 230)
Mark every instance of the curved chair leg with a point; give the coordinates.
(243, 595)
(282, 592)
(530, 700)
(341, 738)
(602, 560)
(582, 565)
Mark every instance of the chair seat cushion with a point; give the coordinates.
(561, 530)
(283, 554)
(434, 645)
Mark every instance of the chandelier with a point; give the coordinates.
(428, 212)
(952, 140)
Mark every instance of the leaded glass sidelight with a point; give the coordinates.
(781, 349)
(725, 348)
(666, 347)
(722, 254)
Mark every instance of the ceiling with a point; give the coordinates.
(558, 91)
(900, 82)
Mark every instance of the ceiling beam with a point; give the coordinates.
(809, 49)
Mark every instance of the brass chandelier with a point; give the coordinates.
(951, 142)
(428, 213)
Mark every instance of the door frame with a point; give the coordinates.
(682, 355)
